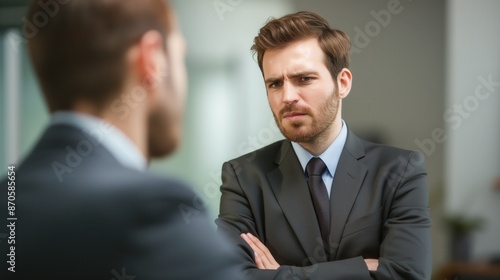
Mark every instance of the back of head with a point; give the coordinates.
(78, 47)
(278, 33)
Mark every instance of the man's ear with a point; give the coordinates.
(344, 82)
(150, 64)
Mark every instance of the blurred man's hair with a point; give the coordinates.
(79, 53)
(279, 33)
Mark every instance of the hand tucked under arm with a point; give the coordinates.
(263, 258)
(372, 264)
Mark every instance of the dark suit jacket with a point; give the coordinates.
(379, 209)
(106, 221)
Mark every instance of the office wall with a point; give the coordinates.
(473, 117)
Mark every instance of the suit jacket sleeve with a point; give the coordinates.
(405, 245)
(405, 251)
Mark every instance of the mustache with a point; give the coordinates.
(294, 108)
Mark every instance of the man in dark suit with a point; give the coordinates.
(322, 204)
(85, 207)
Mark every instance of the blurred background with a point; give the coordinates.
(426, 76)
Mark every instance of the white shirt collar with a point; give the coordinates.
(330, 156)
(111, 138)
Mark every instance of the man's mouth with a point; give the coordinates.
(293, 115)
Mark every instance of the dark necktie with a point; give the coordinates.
(315, 169)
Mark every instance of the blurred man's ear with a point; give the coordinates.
(344, 82)
(150, 61)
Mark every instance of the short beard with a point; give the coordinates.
(164, 133)
(327, 115)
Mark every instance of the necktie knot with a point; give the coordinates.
(315, 167)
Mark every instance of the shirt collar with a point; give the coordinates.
(111, 138)
(330, 156)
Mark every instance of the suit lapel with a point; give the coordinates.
(347, 182)
(290, 189)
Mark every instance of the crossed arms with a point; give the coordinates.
(265, 260)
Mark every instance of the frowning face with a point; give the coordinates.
(302, 94)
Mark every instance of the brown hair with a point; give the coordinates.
(278, 33)
(79, 51)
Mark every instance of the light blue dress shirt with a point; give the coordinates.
(105, 134)
(331, 157)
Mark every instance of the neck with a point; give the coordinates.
(130, 121)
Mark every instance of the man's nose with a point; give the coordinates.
(290, 93)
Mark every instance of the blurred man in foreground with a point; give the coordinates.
(322, 204)
(113, 75)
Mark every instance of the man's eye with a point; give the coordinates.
(274, 85)
(305, 79)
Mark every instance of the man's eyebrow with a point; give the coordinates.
(303, 73)
(272, 80)
(294, 75)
